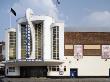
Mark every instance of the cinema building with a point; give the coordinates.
(39, 47)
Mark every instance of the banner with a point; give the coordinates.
(105, 51)
(78, 51)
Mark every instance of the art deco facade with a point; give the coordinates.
(39, 47)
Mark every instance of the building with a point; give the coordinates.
(2, 57)
(39, 47)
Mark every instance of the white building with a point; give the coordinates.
(40, 49)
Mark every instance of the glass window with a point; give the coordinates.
(55, 42)
(11, 69)
(64, 68)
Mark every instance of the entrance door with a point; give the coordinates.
(33, 71)
(73, 72)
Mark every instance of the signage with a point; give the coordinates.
(78, 51)
(105, 51)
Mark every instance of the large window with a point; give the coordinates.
(55, 42)
(26, 41)
(39, 41)
(12, 45)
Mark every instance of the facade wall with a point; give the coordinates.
(89, 66)
(87, 59)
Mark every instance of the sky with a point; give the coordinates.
(78, 15)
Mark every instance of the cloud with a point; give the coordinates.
(40, 7)
(98, 19)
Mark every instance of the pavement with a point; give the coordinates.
(54, 80)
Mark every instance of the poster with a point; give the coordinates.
(105, 51)
(78, 51)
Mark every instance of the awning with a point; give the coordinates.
(34, 63)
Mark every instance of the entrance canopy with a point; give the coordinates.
(33, 63)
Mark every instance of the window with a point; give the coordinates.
(11, 69)
(53, 68)
(64, 68)
(12, 45)
(39, 40)
(55, 42)
(26, 41)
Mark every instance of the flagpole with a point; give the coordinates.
(10, 19)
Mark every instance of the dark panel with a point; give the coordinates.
(33, 71)
(92, 52)
(69, 52)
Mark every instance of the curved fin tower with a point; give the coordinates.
(39, 44)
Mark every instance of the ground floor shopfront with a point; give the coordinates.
(88, 66)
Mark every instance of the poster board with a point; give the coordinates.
(78, 51)
(105, 51)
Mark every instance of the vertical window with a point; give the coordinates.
(12, 45)
(39, 40)
(55, 42)
(26, 41)
(64, 68)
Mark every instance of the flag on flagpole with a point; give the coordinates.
(13, 11)
(58, 1)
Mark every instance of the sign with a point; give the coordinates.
(105, 51)
(78, 51)
(61, 71)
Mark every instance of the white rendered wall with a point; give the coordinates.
(18, 42)
(88, 66)
(47, 39)
(16, 73)
(61, 41)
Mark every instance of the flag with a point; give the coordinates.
(58, 1)
(13, 11)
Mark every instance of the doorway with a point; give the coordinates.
(33, 71)
(73, 72)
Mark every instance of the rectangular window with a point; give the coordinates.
(26, 41)
(55, 42)
(12, 45)
(39, 40)
(64, 68)
(53, 68)
(11, 69)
